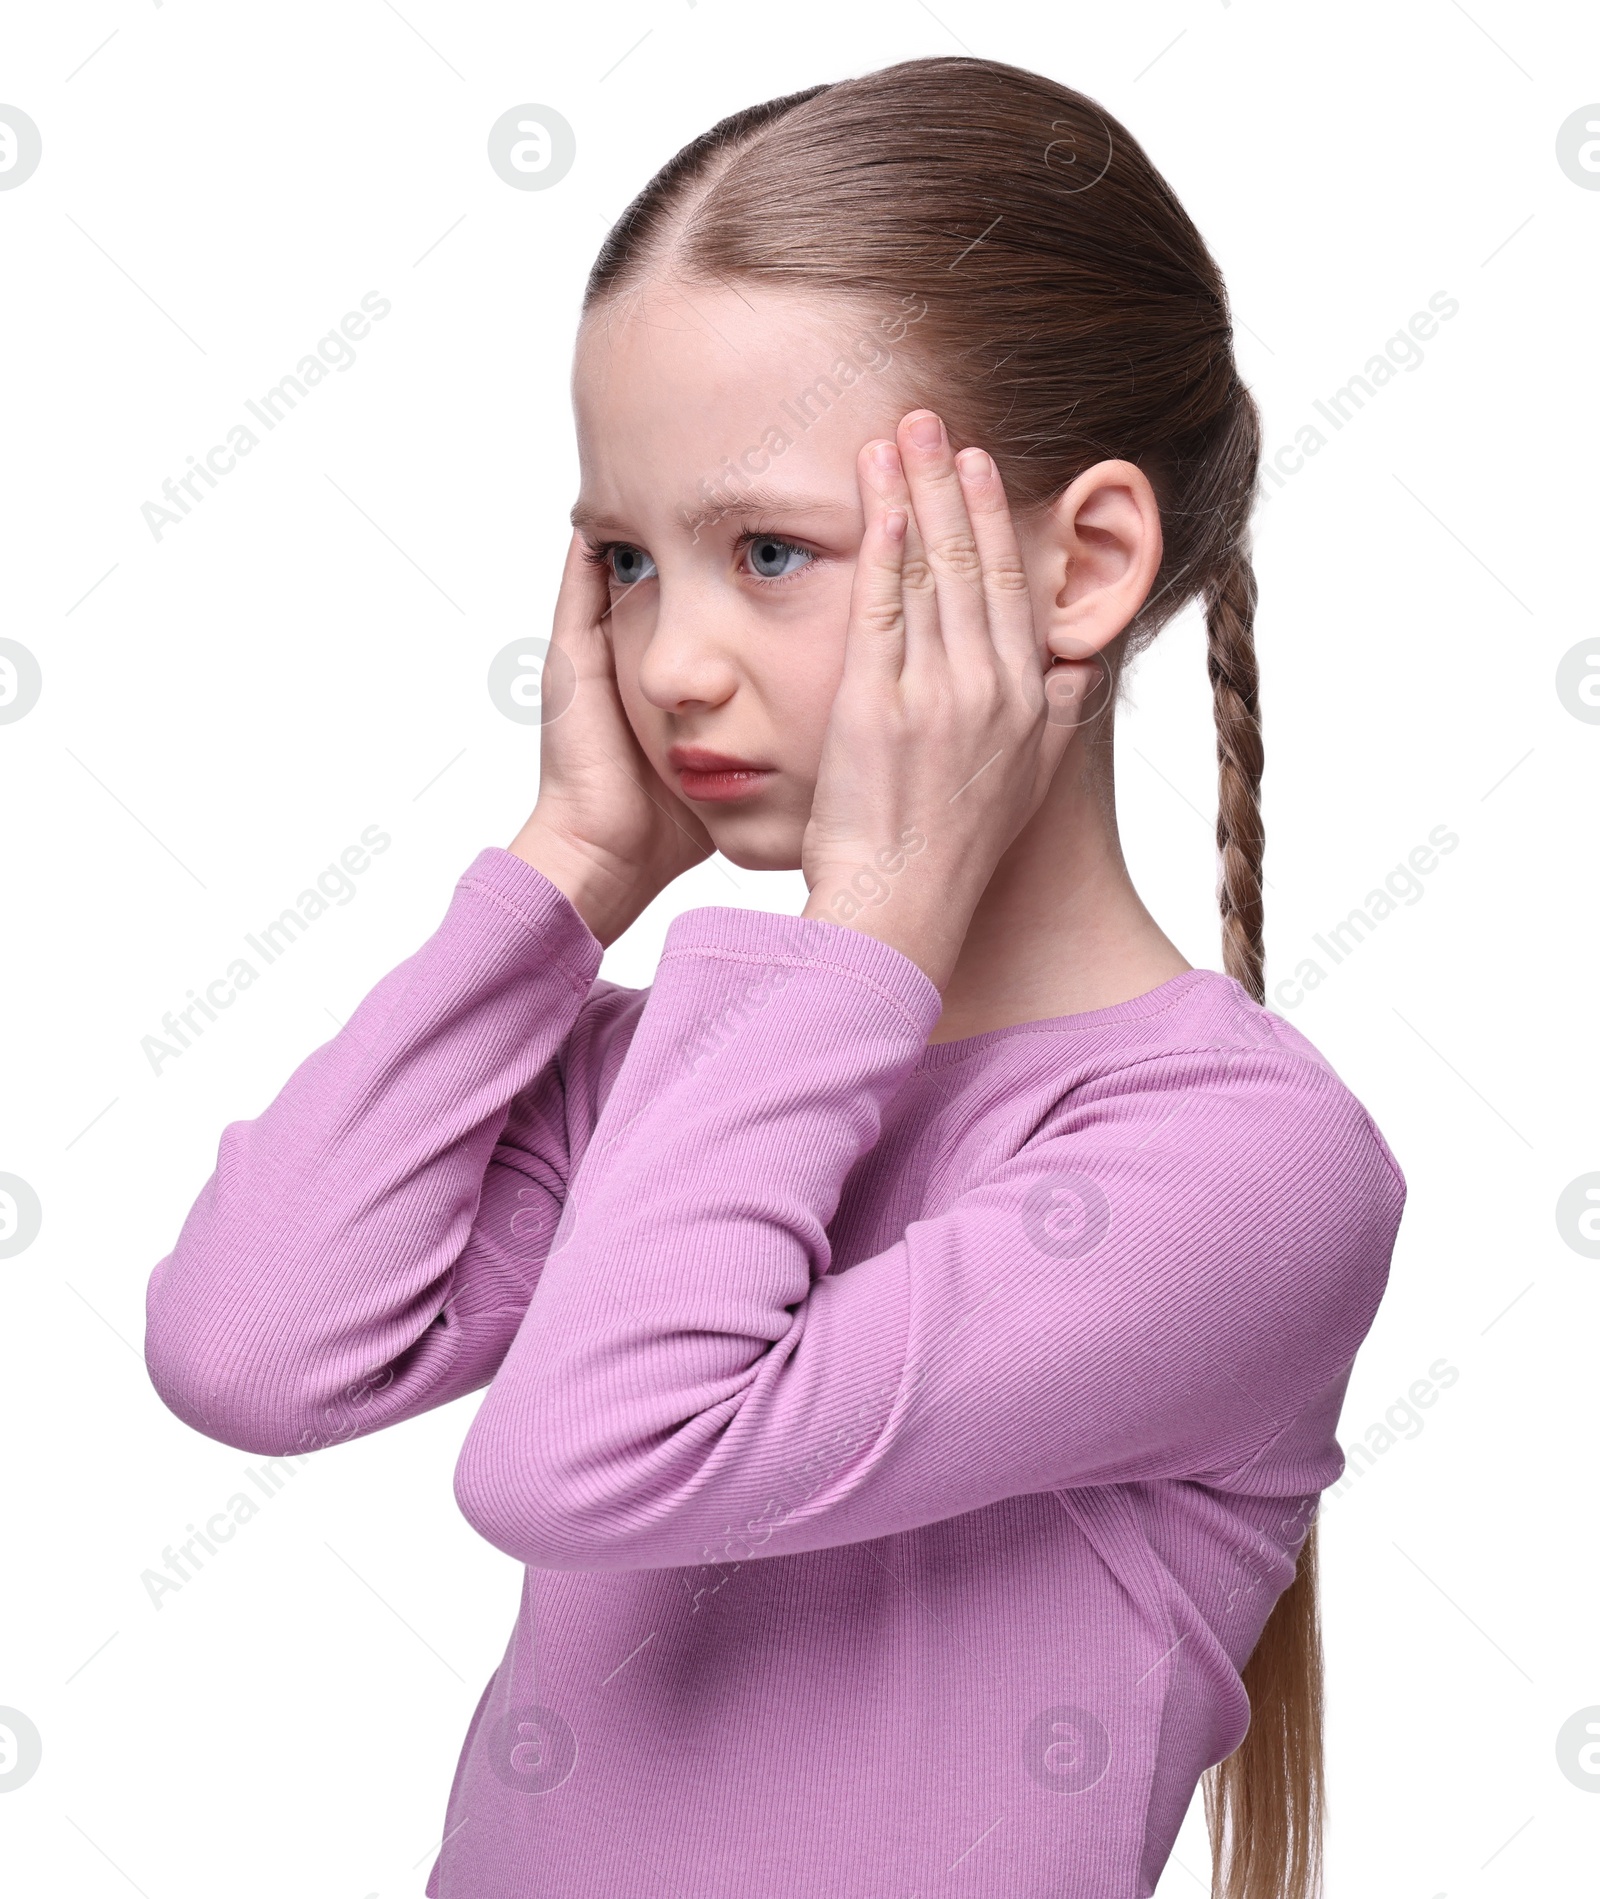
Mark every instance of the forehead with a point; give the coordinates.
(676, 385)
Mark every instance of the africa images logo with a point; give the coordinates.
(20, 147)
(1066, 1215)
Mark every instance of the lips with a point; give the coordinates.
(716, 777)
(698, 758)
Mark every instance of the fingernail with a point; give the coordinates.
(927, 431)
(894, 525)
(973, 463)
(887, 457)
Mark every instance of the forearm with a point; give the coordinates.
(303, 1301)
(756, 1078)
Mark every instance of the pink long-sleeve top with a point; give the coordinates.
(905, 1443)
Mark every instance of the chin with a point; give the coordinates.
(770, 843)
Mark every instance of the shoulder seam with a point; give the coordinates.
(1304, 1062)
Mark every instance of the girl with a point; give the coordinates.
(915, 1330)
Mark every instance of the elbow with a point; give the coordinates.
(224, 1400)
(522, 1506)
(197, 1363)
(212, 1370)
(240, 1415)
(551, 1512)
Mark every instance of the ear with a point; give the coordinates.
(1097, 550)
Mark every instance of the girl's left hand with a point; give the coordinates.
(940, 745)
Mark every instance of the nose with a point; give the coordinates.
(689, 658)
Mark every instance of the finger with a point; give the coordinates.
(1008, 600)
(582, 604)
(578, 648)
(875, 638)
(918, 601)
(940, 510)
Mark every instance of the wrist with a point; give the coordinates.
(931, 945)
(892, 896)
(606, 899)
(927, 925)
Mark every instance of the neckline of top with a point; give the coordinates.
(1153, 1002)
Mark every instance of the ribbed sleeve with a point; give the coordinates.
(1175, 1265)
(366, 1247)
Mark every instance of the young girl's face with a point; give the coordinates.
(717, 438)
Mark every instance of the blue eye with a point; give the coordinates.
(772, 559)
(629, 565)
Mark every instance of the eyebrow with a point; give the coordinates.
(745, 501)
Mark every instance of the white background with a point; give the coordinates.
(226, 709)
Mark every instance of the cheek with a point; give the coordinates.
(804, 666)
(629, 625)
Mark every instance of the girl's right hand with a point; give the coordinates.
(605, 830)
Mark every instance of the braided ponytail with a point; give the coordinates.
(1231, 662)
(1265, 1802)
